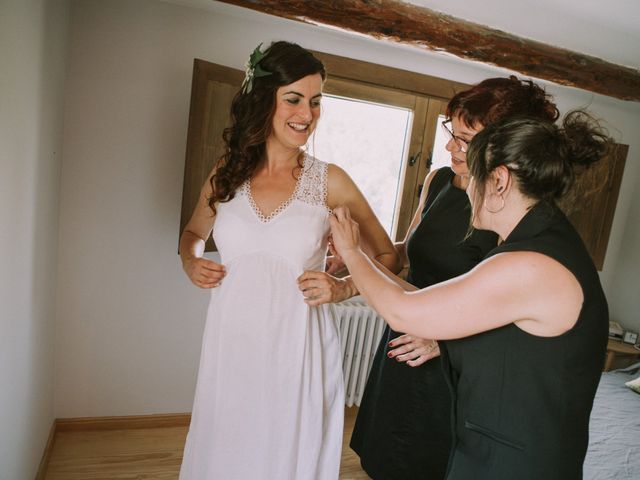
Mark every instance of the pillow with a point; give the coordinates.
(634, 385)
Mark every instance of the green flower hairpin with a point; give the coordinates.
(253, 70)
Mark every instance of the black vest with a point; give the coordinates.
(522, 402)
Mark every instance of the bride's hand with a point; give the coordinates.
(345, 234)
(334, 265)
(203, 272)
(320, 287)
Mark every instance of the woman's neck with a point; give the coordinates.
(278, 157)
(514, 211)
(460, 181)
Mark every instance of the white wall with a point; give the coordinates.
(129, 322)
(33, 36)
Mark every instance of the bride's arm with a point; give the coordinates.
(201, 271)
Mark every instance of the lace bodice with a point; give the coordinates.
(310, 188)
(296, 231)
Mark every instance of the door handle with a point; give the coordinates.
(414, 159)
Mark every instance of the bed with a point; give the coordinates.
(614, 430)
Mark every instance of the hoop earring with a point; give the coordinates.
(497, 209)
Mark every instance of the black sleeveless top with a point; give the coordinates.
(403, 428)
(522, 402)
(438, 248)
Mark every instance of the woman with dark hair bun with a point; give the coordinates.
(526, 335)
(403, 428)
(269, 400)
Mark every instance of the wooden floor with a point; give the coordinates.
(146, 454)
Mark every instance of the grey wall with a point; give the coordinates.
(33, 48)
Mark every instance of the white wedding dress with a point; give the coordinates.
(269, 400)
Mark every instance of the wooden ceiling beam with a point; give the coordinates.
(410, 24)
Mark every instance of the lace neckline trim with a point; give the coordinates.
(246, 186)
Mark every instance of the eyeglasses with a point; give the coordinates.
(463, 145)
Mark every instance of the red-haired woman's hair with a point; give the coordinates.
(495, 99)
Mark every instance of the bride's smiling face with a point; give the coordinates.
(297, 111)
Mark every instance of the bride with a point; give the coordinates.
(269, 399)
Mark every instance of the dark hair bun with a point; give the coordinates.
(587, 141)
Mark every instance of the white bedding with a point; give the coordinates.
(614, 429)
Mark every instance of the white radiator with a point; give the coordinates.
(360, 332)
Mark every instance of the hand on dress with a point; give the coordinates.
(203, 272)
(334, 265)
(320, 287)
(345, 233)
(412, 350)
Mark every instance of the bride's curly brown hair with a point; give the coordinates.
(252, 114)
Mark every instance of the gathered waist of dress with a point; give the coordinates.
(315, 263)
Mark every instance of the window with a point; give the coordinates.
(368, 140)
